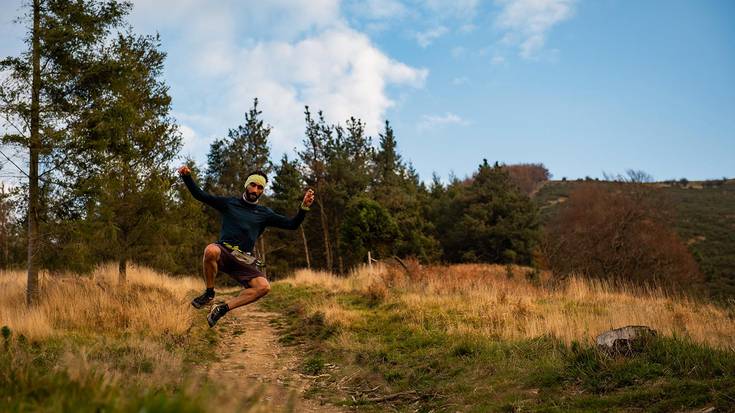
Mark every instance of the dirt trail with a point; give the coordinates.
(253, 362)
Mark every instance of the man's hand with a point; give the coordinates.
(184, 170)
(308, 198)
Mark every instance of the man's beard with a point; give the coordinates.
(251, 196)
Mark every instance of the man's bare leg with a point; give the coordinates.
(259, 287)
(211, 256)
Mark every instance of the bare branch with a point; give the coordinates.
(14, 164)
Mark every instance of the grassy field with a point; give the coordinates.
(91, 346)
(472, 338)
(486, 338)
(705, 219)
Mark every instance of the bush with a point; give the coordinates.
(528, 176)
(617, 231)
(367, 226)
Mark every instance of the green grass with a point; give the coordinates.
(103, 373)
(431, 370)
(708, 212)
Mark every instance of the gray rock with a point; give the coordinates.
(625, 340)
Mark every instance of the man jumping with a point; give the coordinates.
(243, 221)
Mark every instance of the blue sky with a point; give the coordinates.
(584, 87)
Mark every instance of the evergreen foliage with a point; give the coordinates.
(87, 106)
(314, 164)
(47, 99)
(132, 186)
(245, 149)
(367, 226)
(488, 219)
(397, 187)
(288, 250)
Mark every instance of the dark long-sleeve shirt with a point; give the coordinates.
(242, 222)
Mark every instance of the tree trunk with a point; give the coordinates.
(122, 271)
(6, 246)
(306, 247)
(34, 149)
(4, 216)
(337, 250)
(262, 252)
(123, 221)
(325, 232)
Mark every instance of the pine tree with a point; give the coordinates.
(9, 227)
(348, 155)
(491, 220)
(232, 159)
(287, 251)
(133, 185)
(187, 230)
(67, 73)
(314, 161)
(244, 150)
(368, 226)
(397, 187)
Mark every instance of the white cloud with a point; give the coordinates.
(190, 142)
(378, 9)
(441, 16)
(464, 9)
(527, 22)
(339, 71)
(468, 28)
(287, 53)
(274, 19)
(427, 37)
(458, 51)
(497, 60)
(460, 81)
(432, 121)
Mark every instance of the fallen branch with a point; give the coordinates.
(389, 397)
(306, 376)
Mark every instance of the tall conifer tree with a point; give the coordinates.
(287, 252)
(134, 181)
(62, 73)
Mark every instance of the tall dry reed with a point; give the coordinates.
(500, 302)
(149, 303)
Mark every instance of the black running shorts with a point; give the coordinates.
(240, 272)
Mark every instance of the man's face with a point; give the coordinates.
(253, 191)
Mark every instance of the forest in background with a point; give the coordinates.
(90, 136)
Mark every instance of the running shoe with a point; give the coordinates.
(217, 311)
(202, 300)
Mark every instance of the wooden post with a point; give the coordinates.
(370, 261)
(306, 247)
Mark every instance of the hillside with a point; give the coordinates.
(481, 338)
(704, 219)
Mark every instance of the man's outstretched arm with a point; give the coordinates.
(280, 221)
(216, 202)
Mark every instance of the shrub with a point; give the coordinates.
(528, 176)
(617, 231)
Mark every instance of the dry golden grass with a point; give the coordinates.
(483, 300)
(149, 303)
(132, 337)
